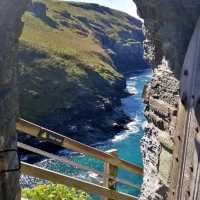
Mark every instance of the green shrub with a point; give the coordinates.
(53, 192)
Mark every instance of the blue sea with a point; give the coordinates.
(126, 142)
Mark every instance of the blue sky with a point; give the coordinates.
(127, 6)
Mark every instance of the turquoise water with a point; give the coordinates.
(126, 142)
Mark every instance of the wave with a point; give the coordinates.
(148, 76)
(91, 177)
(144, 124)
(131, 88)
(133, 127)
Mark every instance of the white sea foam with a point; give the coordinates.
(148, 76)
(91, 177)
(144, 124)
(95, 178)
(133, 127)
(131, 89)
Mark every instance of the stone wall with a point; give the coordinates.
(10, 30)
(168, 27)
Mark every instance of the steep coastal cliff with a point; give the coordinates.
(71, 63)
(168, 29)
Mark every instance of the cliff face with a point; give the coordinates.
(161, 99)
(71, 62)
(10, 30)
(168, 29)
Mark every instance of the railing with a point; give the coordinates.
(111, 163)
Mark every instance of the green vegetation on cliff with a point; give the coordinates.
(69, 62)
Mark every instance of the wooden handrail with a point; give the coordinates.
(55, 177)
(53, 137)
(71, 163)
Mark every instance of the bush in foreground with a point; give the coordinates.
(54, 192)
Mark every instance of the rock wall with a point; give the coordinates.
(168, 27)
(161, 97)
(10, 29)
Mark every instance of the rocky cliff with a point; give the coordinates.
(10, 30)
(161, 99)
(168, 29)
(72, 58)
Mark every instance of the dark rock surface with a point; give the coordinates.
(168, 28)
(38, 8)
(10, 30)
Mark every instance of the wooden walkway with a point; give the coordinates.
(111, 164)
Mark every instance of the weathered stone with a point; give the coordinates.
(168, 27)
(161, 97)
(10, 30)
(164, 167)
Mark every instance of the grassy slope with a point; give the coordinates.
(75, 38)
(63, 65)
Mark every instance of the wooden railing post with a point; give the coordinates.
(110, 171)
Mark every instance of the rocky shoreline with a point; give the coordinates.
(110, 123)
